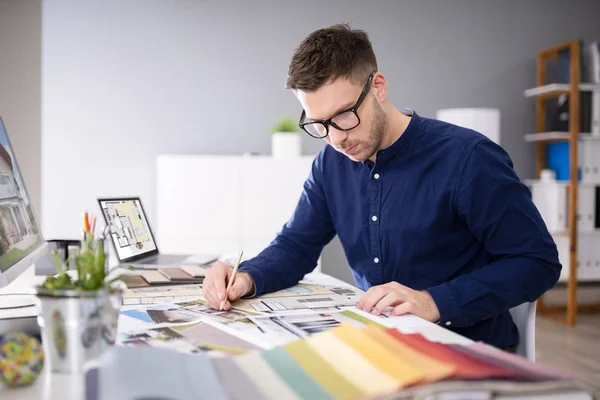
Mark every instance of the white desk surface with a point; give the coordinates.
(71, 386)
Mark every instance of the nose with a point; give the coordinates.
(336, 136)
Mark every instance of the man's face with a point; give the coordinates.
(359, 143)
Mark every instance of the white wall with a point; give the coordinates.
(124, 81)
(20, 87)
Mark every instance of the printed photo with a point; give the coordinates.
(173, 315)
(190, 338)
(292, 327)
(200, 307)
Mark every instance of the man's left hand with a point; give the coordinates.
(402, 299)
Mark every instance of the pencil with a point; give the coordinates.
(230, 283)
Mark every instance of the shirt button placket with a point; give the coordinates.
(375, 204)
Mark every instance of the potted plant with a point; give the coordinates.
(285, 139)
(78, 315)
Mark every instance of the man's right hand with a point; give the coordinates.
(215, 284)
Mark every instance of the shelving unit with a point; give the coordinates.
(544, 91)
(547, 136)
(556, 89)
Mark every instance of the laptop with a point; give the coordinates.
(133, 240)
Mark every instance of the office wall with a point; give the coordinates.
(20, 86)
(125, 81)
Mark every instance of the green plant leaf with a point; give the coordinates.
(90, 262)
(285, 124)
(57, 261)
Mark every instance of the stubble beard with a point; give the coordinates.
(378, 126)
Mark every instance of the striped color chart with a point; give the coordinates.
(347, 362)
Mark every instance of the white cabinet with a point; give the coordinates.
(588, 257)
(590, 162)
(586, 210)
(270, 190)
(224, 204)
(197, 203)
(552, 198)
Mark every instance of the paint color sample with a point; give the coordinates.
(362, 319)
(504, 359)
(295, 377)
(352, 365)
(434, 370)
(385, 360)
(335, 384)
(235, 382)
(466, 367)
(264, 378)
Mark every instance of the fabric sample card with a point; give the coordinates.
(287, 368)
(352, 365)
(323, 373)
(466, 367)
(434, 370)
(234, 381)
(502, 358)
(145, 372)
(264, 378)
(379, 356)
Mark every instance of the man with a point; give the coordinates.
(432, 217)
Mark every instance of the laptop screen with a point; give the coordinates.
(129, 229)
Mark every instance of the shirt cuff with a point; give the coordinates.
(256, 275)
(450, 311)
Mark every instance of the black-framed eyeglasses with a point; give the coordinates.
(344, 120)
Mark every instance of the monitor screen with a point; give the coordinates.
(19, 231)
(128, 227)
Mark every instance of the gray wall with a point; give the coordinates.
(124, 81)
(20, 87)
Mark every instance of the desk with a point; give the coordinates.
(71, 386)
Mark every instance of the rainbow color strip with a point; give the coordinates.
(347, 362)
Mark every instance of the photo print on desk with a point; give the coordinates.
(300, 289)
(171, 315)
(161, 294)
(199, 306)
(197, 337)
(139, 317)
(234, 319)
(269, 305)
(284, 328)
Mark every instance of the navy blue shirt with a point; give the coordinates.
(440, 210)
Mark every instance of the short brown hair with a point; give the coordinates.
(329, 53)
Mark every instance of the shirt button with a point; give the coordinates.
(374, 218)
(376, 260)
(448, 323)
(376, 176)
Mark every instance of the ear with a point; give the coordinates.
(379, 87)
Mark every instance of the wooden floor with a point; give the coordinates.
(575, 349)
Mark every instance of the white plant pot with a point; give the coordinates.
(286, 144)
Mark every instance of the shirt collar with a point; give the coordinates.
(384, 155)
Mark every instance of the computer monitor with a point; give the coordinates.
(21, 242)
